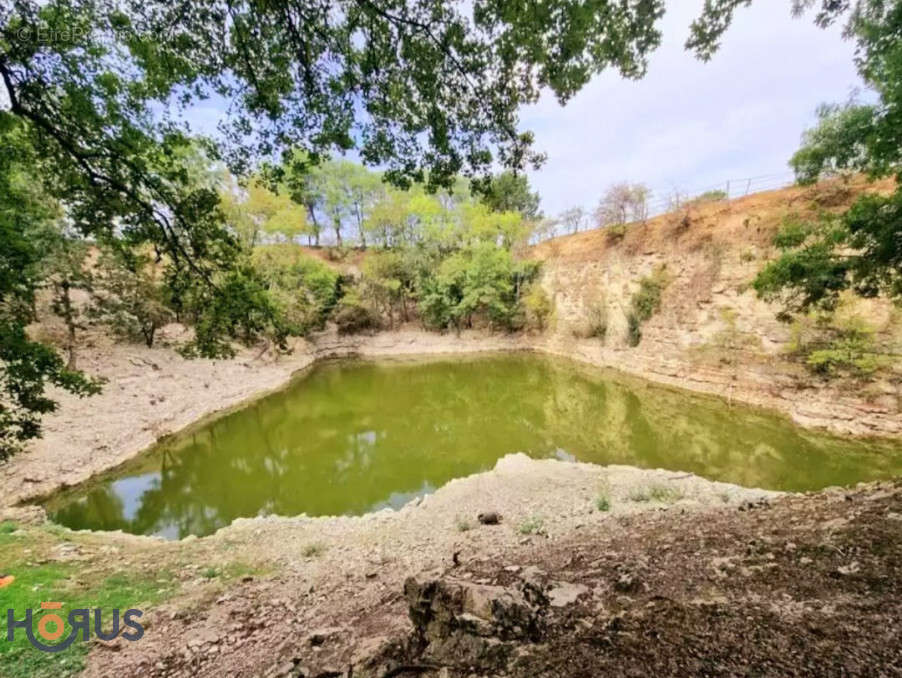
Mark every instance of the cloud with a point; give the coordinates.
(690, 124)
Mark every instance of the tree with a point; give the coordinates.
(387, 283)
(573, 219)
(860, 249)
(129, 296)
(428, 92)
(509, 192)
(256, 211)
(303, 289)
(65, 269)
(27, 367)
(622, 204)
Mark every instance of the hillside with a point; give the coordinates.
(711, 332)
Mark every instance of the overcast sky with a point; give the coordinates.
(691, 124)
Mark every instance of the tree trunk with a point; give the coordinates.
(69, 317)
(360, 227)
(149, 331)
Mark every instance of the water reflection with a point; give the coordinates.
(357, 437)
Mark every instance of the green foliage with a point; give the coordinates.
(837, 145)
(645, 303)
(603, 502)
(633, 329)
(388, 284)
(352, 315)
(859, 250)
(850, 353)
(27, 215)
(256, 212)
(481, 279)
(95, 111)
(532, 525)
(241, 309)
(509, 192)
(129, 296)
(64, 270)
(807, 274)
(302, 289)
(615, 232)
(833, 346)
(538, 305)
(313, 550)
(792, 233)
(710, 196)
(663, 494)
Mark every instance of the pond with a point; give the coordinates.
(352, 437)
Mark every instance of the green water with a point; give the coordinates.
(353, 437)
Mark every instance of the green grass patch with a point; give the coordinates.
(603, 502)
(659, 493)
(532, 525)
(313, 550)
(76, 584)
(8, 526)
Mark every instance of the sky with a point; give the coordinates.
(692, 125)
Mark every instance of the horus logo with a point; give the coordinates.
(51, 627)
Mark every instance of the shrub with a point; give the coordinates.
(633, 329)
(616, 232)
(665, 494)
(303, 289)
(851, 352)
(792, 233)
(598, 320)
(352, 316)
(538, 306)
(645, 303)
(833, 347)
(711, 196)
(532, 525)
(658, 493)
(603, 502)
(313, 550)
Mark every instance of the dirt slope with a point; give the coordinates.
(802, 585)
(711, 332)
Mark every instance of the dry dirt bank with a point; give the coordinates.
(712, 333)
(339, 580)
(793, 585)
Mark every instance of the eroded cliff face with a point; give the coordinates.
(711, 332)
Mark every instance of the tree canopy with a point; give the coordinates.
(860, 249)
